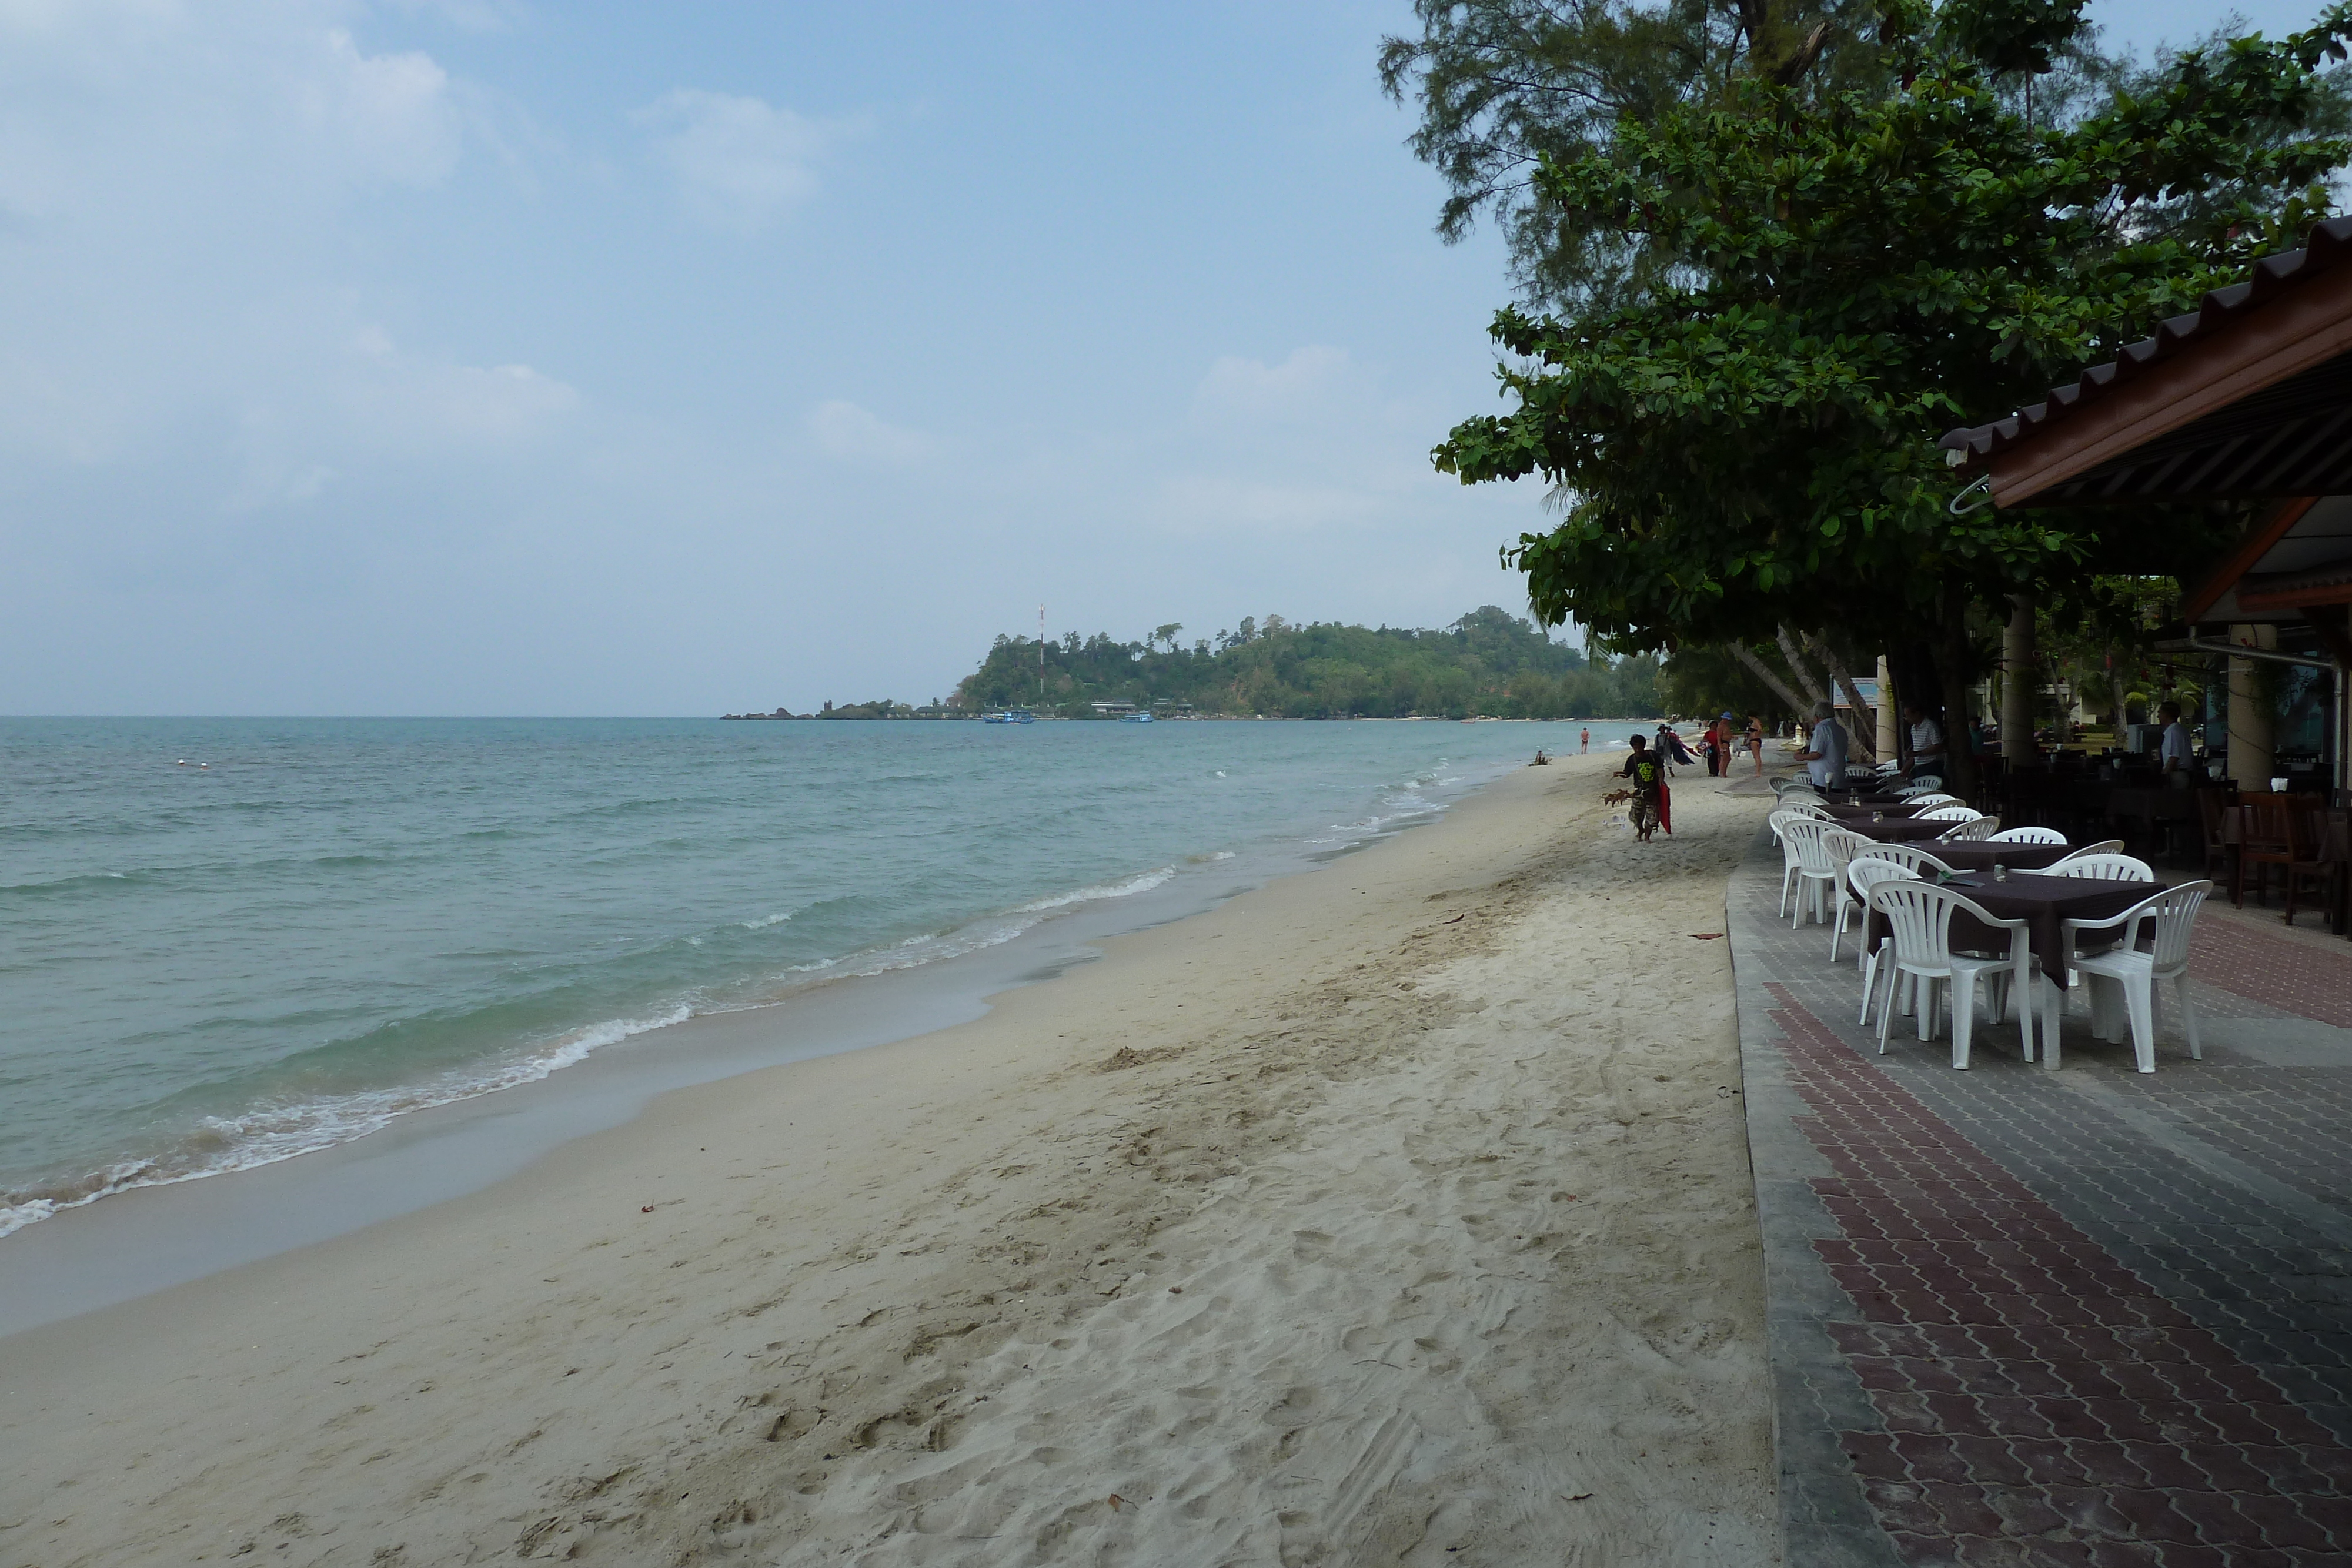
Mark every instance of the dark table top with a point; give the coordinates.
(1864, 811)
(1896, 829)
(1980, 856)
(2045, 903)
(2048, 902)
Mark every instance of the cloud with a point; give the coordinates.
(851, 432)
(741, 164)
(1314, 383)
(389, 116)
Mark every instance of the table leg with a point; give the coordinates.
(2051, 1003)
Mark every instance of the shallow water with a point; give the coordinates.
(225, 942)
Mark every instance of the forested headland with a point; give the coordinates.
(1489, 664)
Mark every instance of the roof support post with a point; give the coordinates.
(2254, 732)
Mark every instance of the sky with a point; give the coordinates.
(502, 357)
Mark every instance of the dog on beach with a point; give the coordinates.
(1616, 797)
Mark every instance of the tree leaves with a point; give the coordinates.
(1833, 273)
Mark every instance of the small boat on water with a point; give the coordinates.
(1010, 716)
(1135, 718)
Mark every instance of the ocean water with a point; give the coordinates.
(224, 942)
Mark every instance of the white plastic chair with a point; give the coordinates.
(1921, 785)
(1918, 861)
(1840, 845)
(1955, 813)
(1975, 829)
(2104, 847)
(1778, 821)
(1817, 874)
(1813, 808)
(2028, 836)
(1920, 916)
(1934, 797)
(2127, 972)
(1864, 874)
(2104, 868)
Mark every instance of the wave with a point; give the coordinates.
(271, 1133)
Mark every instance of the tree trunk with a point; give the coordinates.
(1797, 667)
(1950, 653)
(2019, 672)
(1863, 744)
(1770, 677)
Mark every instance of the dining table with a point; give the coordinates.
(1896, 829)
(2046, 904)
(1865, 809)
(1978, 854)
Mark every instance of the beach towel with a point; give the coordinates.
(1667, 809)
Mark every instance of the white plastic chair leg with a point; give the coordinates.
(1886, 1009)
(1869, 983)
(2188, 1015)
(1925, 1001)
(1963, 986)
(2053, 1014)
(2106, 1007)
(2140, 1001)
(1838, 931)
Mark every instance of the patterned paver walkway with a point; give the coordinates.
(2088, 1317)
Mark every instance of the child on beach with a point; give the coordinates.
(1649, 776)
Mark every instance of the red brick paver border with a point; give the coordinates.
(2293, 976)
(2041, 1403)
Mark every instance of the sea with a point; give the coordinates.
(226, 943)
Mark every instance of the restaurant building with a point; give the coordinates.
(2246, 400)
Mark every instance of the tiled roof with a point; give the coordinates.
(2328, 247)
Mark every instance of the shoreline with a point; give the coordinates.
(665, 1308)
(127, 1240)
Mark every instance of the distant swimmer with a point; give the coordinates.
(1542, 760)
(184, 762)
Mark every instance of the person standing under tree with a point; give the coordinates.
(1824, 754)
(1926, 741)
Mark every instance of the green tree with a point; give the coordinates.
(1744, 437)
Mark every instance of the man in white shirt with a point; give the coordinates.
(1926, 741)
(1824, 754)
(2173, 753)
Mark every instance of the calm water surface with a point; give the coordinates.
(229, 941)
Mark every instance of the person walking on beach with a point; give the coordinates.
(1755, 742)
(1584, 740)
(1648, 772)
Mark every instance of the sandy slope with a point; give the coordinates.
(1399, 1212)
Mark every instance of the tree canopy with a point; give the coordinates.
(1844, 231)
(1489, 663)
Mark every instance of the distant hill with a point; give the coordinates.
(1489, 663)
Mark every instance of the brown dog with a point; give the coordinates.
(1616, 797)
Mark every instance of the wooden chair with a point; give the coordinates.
(2286, 831)
(2216, 811)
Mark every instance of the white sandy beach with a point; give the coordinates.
(1397, 1212)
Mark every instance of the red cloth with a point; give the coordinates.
(1667, 809)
